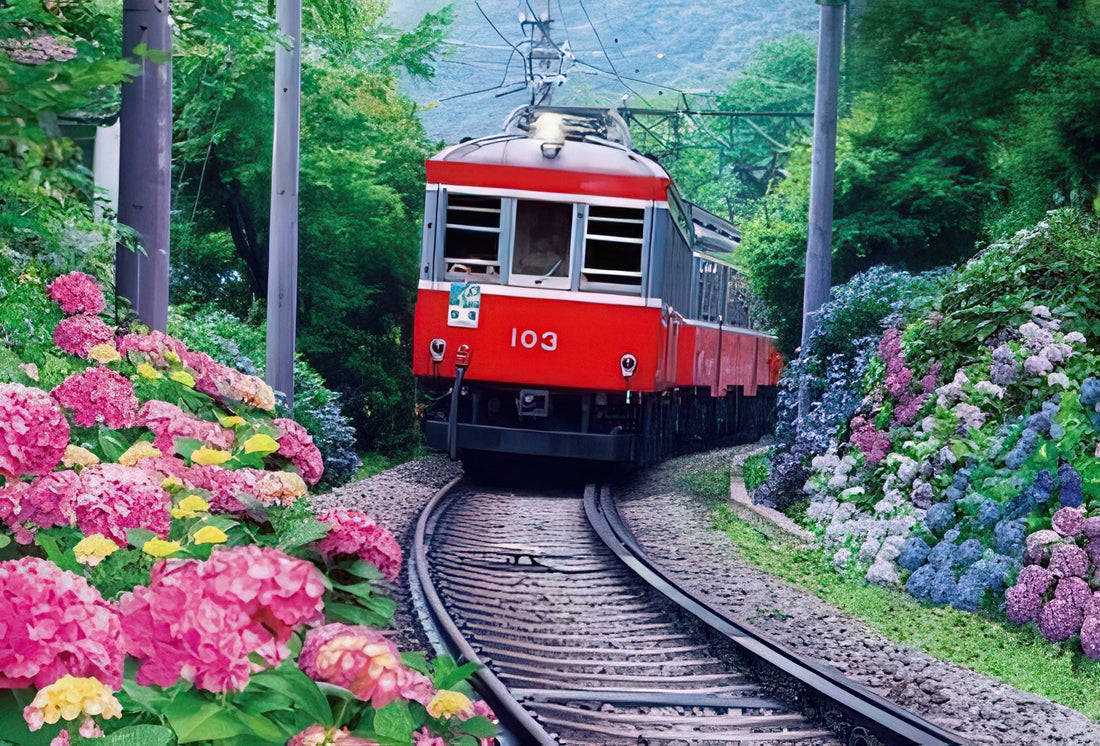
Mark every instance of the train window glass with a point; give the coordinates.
(613, 241)
(472, 239)
(541, 248)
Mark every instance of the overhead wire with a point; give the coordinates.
(607, 56)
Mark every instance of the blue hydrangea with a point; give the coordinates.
(1035, 493)
(967, 553)
(967, 594)
(1070, 495)
(942, 554)
(919, 585)
(1040, 422)
(961, 480)
(939, 518)
(989, 512)
(914, 553)
(954, 494)
(1029, 438)
(1008, 537)
(1090, 391)
(943, 585)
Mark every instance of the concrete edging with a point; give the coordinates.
(767, 521)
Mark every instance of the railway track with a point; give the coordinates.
(585, 642)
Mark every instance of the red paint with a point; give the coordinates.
(528, 179)
(590, 339)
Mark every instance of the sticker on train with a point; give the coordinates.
(465, 305)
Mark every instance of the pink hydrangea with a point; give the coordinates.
(78, 334)
(113, 498)
(1090, 637)
(1035, 578)
(55, 624)
(152, 347)
(1021, 605)
(1075, 590)
(206, 372)
(97, 395)
(76, 292)
(201, 620)
(1068, 521)
(168, 422)
(1060, 620)
(1069, 560)
(44, 503)
(33, 431)
(224, 485)
(872, 442)
(425, 737)
(356, 533)
(363, 661)
(319, 735)
(228, 384)
(297, 445)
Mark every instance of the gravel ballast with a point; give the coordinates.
(674, 528)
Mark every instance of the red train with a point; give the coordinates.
(572, 304)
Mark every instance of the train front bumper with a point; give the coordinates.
(563, 444)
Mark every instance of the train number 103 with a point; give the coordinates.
(529, 339)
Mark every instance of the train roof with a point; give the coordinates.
(565, 140)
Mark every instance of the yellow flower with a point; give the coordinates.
(208, 456)
(171, 483)
(264, 444)
(190, 506)
(182, 376)
(447, 704)
(230, 420)
(68, 698)
(210, 535)
(91, 550)
(172, 357)
(77, 456)
(148, 371)
(104, 353)
(160, 547)
(142, 449)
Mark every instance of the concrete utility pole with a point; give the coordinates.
(819, 247)
(145, 160)
(282, 272)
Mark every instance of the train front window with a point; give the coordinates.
(613, 242)
(541, 248)
(472, 242)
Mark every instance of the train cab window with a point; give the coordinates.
(541, 249)
(613, 240)
(472, 241)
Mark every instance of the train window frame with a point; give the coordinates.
(679, 212)
(588, 239)
(545, 281)
(494, 269)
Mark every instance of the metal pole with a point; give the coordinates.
(145, 161)
(822, 172)
(282, 274)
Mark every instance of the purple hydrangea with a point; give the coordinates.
(1005, 369)
(1008, 537)
(1068, 521)
(1074, 590)
(1091, 526)
(1039, 546)
(923, 494)
(1069, 560)
(1092, 549)
(1021, 605)
(1090, 637)
(939, 518)
(1035, 579)
(1060, 620)
(1070, 495)
(914, 553)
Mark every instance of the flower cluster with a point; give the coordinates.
(201, 620)
(77, 335)
(76, 292)
(70, 697)
(97, 395)
(168, 422)
(33, 431)
(363, 661)
(355, 533)
(296, 445)
(55, 624)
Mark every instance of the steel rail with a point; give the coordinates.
(870, 716)
(516, 720)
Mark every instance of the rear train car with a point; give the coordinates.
(572, 304)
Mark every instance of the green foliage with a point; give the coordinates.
(754, 470)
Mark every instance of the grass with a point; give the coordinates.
(754, 470)
(1018, 656)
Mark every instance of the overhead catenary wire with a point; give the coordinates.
(607, 56)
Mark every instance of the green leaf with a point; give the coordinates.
(196, 719)
(187, 446)
(349, 614)
(110, 444)
(4, 540)
(449, 679)
(480, 727)
(289, 680)
(55, 554)
(417, 662)
(138, 536)
(394, 721)
(138, 735)
(365, 570)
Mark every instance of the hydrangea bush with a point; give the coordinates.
(162, 575)
(972, 477)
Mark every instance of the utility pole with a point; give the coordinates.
(819, 247)
(145, 160)
(545, 59)
(282, 273)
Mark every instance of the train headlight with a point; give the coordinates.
(437, 349)
(628, 364)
